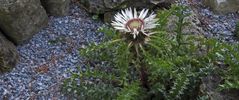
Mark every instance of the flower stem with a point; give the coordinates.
(142, 69)
(144, 77)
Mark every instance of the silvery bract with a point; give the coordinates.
(130, 21)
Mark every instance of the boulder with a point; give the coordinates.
(102, 6)
(108, 8)
(8, 54)
(161, 1)
(94, 6)
(222, 6)
(56, 7)
(21, 19)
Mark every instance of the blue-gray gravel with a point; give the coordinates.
(47, 57)
(220, 26)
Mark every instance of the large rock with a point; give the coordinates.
(56, 7)
(109, 7)
(102, 6)
(161, 1)
(8, 54)
(222, 6)
(21, 19)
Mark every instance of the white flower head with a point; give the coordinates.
(130, 21)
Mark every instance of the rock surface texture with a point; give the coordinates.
(223, 6)
(56, 7)
(21, 19)
(210, 86)
(102, 6)
(108, 7)
(161, 1)
(8, 54)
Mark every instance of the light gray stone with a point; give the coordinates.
(192, 27)
(21, 19)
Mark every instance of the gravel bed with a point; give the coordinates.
(47, 57)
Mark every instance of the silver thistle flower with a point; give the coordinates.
(130, 21)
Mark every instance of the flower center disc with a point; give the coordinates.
(135, 24)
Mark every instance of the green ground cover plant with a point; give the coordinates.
(168, 66)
